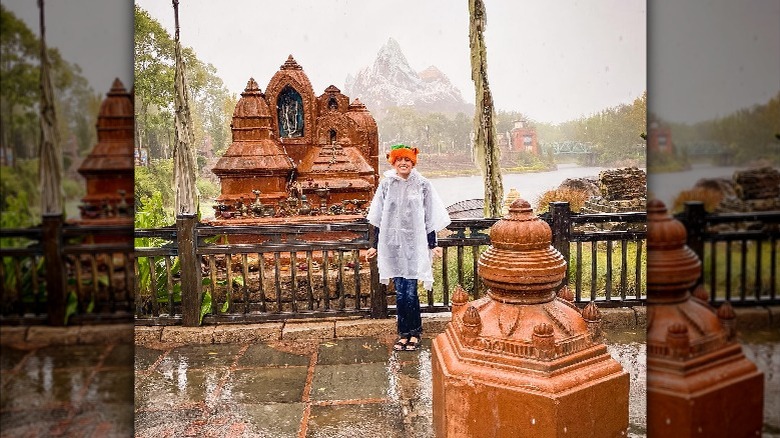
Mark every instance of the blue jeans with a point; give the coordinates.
(408, 307)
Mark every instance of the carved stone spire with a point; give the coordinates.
(690, 347)
(521, 346)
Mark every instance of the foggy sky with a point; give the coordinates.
(706, 58)
(551, 62)
(95, 34)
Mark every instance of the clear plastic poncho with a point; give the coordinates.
(405, 211)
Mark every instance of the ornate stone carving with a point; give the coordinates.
(519, 354)
(288, 143)
(109, 167)
(698, 381)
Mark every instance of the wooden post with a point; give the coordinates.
(694, 220)
(378, 290)
(561, 232)
(55, 269)
(191, 294)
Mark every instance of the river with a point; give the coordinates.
(664, 186)
(530, 185)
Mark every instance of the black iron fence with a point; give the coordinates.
(194, 274)
(738, 253)
(65, 274)
(260, 273)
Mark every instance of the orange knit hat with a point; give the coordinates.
(401, 150)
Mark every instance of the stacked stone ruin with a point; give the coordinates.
(621, 191)
(756, 189)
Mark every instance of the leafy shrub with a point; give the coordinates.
(575, 198)
(710, 197)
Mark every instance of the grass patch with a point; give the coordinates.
(754, 264)
(586, 283)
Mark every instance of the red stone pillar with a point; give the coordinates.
(699, 383)
(522, 362)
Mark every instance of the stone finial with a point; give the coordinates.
(290, 64)
(459, 295)
(117, 87)
(592, 316)
(332, 89)
(566, 294)
(678, 341)
(251, 87)
(543, 341)
(357, 106)
(521, 266)
(728, 319)
(672, 267)
(701, 293)
(459, 298)
(471, 322)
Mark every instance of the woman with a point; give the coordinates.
(407, 213)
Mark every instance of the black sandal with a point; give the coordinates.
(400, 346)
(411, 345)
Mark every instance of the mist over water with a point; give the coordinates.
(666, 186)
(530, 185)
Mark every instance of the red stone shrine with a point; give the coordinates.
(109, 168)
(297, 156)
(699, 383)
(521, 361)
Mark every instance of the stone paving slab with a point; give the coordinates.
(265, 385)
(351, 351)
(386, 421)
(269, 419)
(342, 387)
(261, 355)
(350, 382)
(55, 389)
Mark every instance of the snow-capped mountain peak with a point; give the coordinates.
(390, 82)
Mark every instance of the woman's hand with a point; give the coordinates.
(371, 253)
(437, 252)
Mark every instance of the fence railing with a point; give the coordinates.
(59, 273)
(738, 253)
(257, 273)
(191, 273)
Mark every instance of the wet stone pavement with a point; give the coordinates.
(345, 387)
(73, 391)
(349, 387)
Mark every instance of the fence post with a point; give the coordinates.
(189, 261)
(55, 269)
(378, 291)
(560, 217)
(694, 220)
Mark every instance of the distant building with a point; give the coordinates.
(523, 138)
(659, 139)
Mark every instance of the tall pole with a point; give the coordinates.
(186, 192)
(486, 149)
(50, 173)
